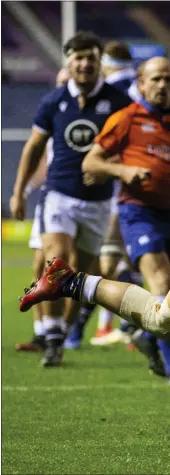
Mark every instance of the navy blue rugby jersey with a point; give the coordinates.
(73, 131)
(122, 79)
(125, 80)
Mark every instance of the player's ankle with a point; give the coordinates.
(73, 286)
(81, 286)
(89, 288)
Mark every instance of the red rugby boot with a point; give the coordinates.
(35, 345)
(49, 286)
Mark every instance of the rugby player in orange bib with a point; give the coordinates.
(141, 133)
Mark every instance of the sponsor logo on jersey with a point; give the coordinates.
(148, 127)
(79, 135)
(143, 240)
(160, 151)
(103, 107)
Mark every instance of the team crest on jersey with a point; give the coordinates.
(63, 106)
(79, 135)
(103, 107)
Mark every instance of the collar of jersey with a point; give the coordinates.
(126, 73)
(154, 109)
(133, 92)
(75, 91)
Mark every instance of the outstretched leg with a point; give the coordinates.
(129, 301)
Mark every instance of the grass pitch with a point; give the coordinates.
(102, 413)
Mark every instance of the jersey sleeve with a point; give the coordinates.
(44, 116)
(114, 131)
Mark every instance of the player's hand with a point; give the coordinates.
(17, 207)
(89, 179)
(131, 175)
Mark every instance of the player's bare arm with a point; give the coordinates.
(97, 162)
(29, 161)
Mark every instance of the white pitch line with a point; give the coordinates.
(83, 387)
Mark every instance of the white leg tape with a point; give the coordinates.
(111, 249)
(89, 289)
(140, 307)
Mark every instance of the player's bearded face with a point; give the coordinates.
(84, 66)
(155, 87)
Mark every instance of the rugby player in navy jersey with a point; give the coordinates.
(118, 71)
(117, 65)
(73, 216)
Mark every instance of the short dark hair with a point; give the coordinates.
(83, 40)
(117, 50)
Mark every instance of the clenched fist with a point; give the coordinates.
(131, 175)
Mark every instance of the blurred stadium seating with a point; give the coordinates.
(106, 19)
(18, 110)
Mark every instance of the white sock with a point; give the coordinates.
(39, 328)
(105, 317)
(50, 322)
(89, 288)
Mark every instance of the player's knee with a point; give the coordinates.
(162, 280)
(156, 270)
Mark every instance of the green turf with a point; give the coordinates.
(102, 413)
